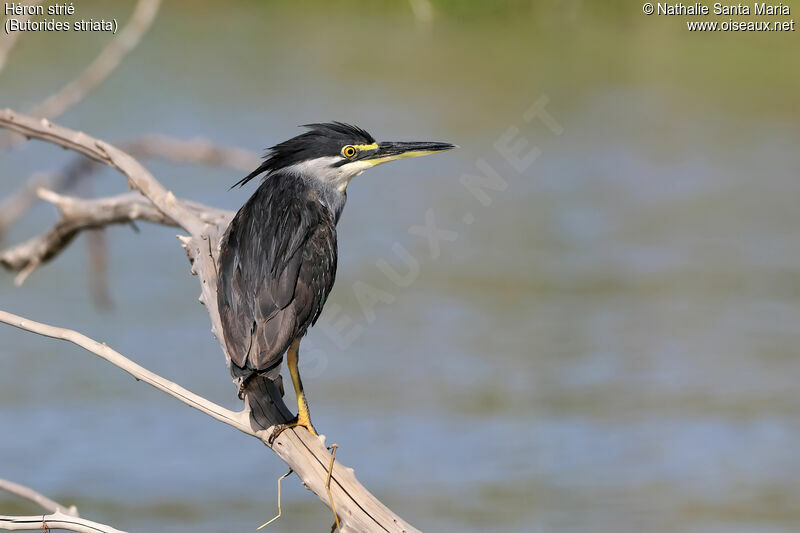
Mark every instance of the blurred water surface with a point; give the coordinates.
(610, 345)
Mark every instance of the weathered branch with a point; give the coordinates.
(237, 420)
(98, 70)
(79, 214)
(61, 517)
(103, 152)
(358, 510)
(41, 500)
(9, 40)
(199, 151)
(55, 520)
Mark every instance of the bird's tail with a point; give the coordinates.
(264, 394)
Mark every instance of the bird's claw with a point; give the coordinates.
(295, 422)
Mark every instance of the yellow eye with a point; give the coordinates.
(349, 152)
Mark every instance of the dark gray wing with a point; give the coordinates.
(277, 267)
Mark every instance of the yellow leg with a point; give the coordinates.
(303, 417)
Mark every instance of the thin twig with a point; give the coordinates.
(79, 214)
(98, 70)
(280, 479)
(57, 520)
(334, 447)
(9, 40)
(40, 499)
(138, 176)
(195, 151)
(102, 350)
(198, 150)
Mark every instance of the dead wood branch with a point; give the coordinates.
(55, 520)
(138, 177)
(60, 517)
(237, 420)
(9, 40)
(84, 214)
(197, 151)
(98, 70)
(358, 510)
(41, 500)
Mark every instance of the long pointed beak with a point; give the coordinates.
(389, 151)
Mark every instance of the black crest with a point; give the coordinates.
(324, 139)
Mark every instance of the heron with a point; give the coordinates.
(278, 256)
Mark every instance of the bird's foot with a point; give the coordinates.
(297, 421)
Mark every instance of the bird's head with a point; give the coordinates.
(335, 153)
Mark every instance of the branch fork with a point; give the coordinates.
(357, 510)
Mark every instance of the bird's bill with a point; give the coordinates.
(390, 151)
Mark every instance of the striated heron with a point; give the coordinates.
(278, 256)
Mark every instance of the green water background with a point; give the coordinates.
(609, 345)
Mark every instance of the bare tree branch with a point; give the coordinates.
(9, 40)
(237, 420)
(56, 520)
(103, 152)
(358, 510)
(109, 59)
(197, 150)
(98, 70)
(362, 512)
(61, 517)
(40, 499)
(84, 214)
